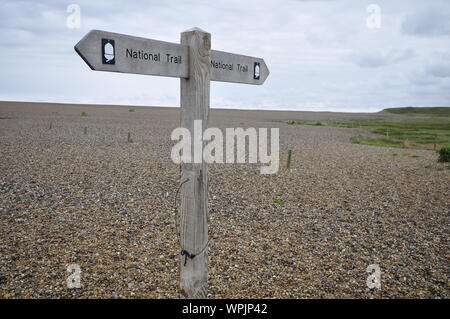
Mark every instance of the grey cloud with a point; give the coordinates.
(369, 59)
(439, 70)
(439, 66)
(303, 42)
(434, 73)
(423, 80)
(435, 22)
(400, 55)
(376, 58)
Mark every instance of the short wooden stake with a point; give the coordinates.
(288, 163)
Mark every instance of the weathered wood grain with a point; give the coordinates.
(90, 50)
(237, 68)
(194, 194)
(226, 67)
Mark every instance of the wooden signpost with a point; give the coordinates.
(113, 52)
(196, 64)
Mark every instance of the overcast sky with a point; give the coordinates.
(322, 54)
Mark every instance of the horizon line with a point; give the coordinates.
(217, 108)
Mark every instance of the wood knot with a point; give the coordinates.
(183, 293)
(206, 42)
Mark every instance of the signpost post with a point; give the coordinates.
(196, 65)
(194, 195)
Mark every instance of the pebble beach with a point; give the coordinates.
(74, 189)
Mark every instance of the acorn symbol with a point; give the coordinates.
(256, 71)
(109, 52)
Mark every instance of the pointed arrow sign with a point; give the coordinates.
(229, 67)
(113, 52)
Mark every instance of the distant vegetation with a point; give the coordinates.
(430, 131)
(422, 134)
(399, 154)
(376, 141)
(444, 154)
(83, 114)
(305, 123)
(421, 111)
(131, 110)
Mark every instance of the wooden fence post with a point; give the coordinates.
(288, 163)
